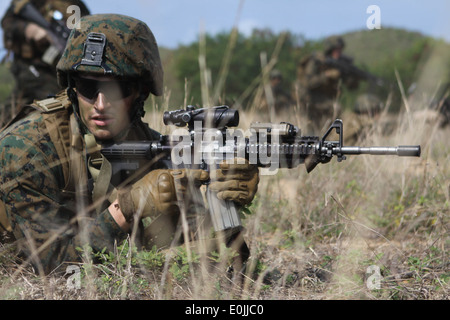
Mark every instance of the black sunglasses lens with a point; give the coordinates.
(114, 90)
(87, 88)
(126, 89)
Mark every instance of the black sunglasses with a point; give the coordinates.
(112, 89)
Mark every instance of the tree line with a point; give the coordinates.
(227, 68)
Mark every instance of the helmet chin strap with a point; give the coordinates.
(137, 110)
(72, 95)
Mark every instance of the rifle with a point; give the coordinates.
(208, 140)
(57, 31)
(348, 69)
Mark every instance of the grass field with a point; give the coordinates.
(370, 227)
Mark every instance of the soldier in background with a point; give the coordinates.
(437, 109)
(276, 99)
(29, 45)
(444, 110)
(319, 84)
(360, 121)
(282, 98)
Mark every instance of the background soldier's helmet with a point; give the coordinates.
(116, 45)
(332, 43)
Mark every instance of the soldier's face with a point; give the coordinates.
(336, 53)
(104, 105)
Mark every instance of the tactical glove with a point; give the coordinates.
(35, 33)
(332, 73)
(158, 192)
(235, 182)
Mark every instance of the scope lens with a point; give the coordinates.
(229, 118)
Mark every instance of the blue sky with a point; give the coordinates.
(177, 22)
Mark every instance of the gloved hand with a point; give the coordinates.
(332, 73)
(156, 193)
(35, 33)
(235, 182)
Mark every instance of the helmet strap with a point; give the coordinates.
(72, 95)
(137, 110)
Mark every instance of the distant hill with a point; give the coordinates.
(421, 61)
(368, 46)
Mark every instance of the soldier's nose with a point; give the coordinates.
(101, 103)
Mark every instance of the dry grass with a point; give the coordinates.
(312, 236)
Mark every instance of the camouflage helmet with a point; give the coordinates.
(116, 45)
(332, 43)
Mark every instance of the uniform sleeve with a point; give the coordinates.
(49, 225)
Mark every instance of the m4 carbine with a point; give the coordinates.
(57, 31)
(348, 69)
(207, 140)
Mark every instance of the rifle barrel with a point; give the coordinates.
(401, 151)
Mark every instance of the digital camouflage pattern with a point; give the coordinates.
(131, 51)
(32, 177)
(31, 181)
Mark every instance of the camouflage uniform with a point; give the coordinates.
(319, 85)
(41, 187)
(34, 79)
(40, 206)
